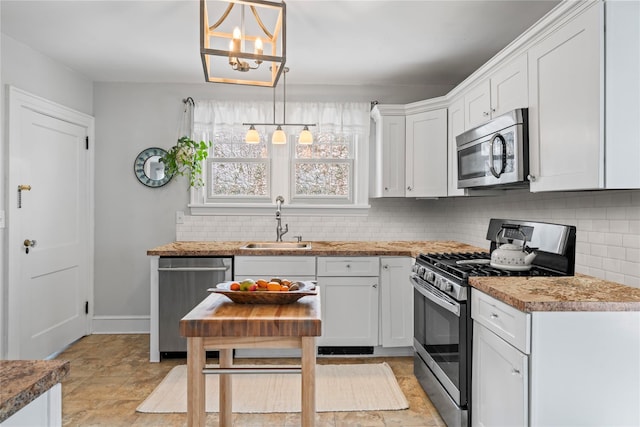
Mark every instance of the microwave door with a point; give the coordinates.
(473, 161)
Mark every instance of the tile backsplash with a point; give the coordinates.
(607, 222)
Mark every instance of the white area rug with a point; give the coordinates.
(357, 387)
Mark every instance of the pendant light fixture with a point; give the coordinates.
(279, 137)
(233, 49)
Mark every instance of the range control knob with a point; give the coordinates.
(431, 276)
(449, 287)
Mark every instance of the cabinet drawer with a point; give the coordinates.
(276, 266)
(510, 324)
(348, 266)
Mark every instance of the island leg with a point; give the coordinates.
(226, 409)
(308, 381)
(196, 360)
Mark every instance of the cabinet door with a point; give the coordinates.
(396, 301)
(349, 311)
(477, 105)
(500, 382)
(509, 87)
(426, 149)
(456, 127)
(565, 106)
(389, 154)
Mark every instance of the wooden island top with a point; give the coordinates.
(218, 316)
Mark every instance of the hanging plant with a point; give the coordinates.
(185, 159)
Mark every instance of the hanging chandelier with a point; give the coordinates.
(279, 137)
(233, 49)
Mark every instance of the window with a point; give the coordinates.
(330, 173)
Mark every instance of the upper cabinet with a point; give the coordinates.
(387, 178)
(426, 154)
(456, 127)
(410, 151)
(573, 144)
(505, 90)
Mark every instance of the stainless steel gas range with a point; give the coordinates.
(442, 313)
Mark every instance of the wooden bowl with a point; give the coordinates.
(265, 297)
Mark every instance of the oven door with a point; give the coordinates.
(495, 159)
(440, 337)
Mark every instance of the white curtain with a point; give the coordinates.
(212, 117)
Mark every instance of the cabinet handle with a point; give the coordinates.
(493, 110)
(375, 285)
(386, 188)
(485, 114)
(348, 265)
(531, 178)
(515, 371)
(385, 267)
(493, 316)
(409, 188)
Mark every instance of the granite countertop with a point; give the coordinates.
(333, 248)
(530, 294)
(570, 293)
(22, 381)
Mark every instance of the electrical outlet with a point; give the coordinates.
(179, 217)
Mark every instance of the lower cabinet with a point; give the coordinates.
(554, 368)
(301, 268)
(500, 381)
(349, 300)
(43, 411)
(396, 302)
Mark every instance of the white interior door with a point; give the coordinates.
(51, 277)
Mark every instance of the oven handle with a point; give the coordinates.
(447, 305)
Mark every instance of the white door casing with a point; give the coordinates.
(48, 286)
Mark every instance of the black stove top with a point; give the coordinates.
(462, 265)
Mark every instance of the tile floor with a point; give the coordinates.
(111, 375)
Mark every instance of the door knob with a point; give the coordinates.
(28, 244)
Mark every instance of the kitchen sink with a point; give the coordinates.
(277, 245)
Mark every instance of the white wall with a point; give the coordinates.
(27, 69)
(607, 222)
(131, 218)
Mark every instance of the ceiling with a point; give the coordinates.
(328, 42)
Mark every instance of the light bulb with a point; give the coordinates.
(252, 137)
(279, 137)
(258, 46)
(305, 136)
(236, 39)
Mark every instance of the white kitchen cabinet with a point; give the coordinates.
(349, 300)
(426, 154)
(396, 302)
(456, 127)
(584, 107)
(566, 108)
(388, 161)
(44, 411)
(576, 368)
(302, 268)
(505, 90)
(500, 395)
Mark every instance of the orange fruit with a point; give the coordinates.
(235, 286)
(284, 288)
(261, 283)
(273, 286)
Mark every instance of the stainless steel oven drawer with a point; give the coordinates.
(510, 324)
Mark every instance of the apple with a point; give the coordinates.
(253, 288)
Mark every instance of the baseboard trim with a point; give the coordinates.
(121, 325)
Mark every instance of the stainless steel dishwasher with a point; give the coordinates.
(183, 284)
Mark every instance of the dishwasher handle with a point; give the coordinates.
(197, 269)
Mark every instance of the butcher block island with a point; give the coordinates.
(219, 324)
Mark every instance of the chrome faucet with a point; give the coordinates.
(279, 231)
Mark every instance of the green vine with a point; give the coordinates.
(185, 159)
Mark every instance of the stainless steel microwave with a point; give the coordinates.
(495, 153)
